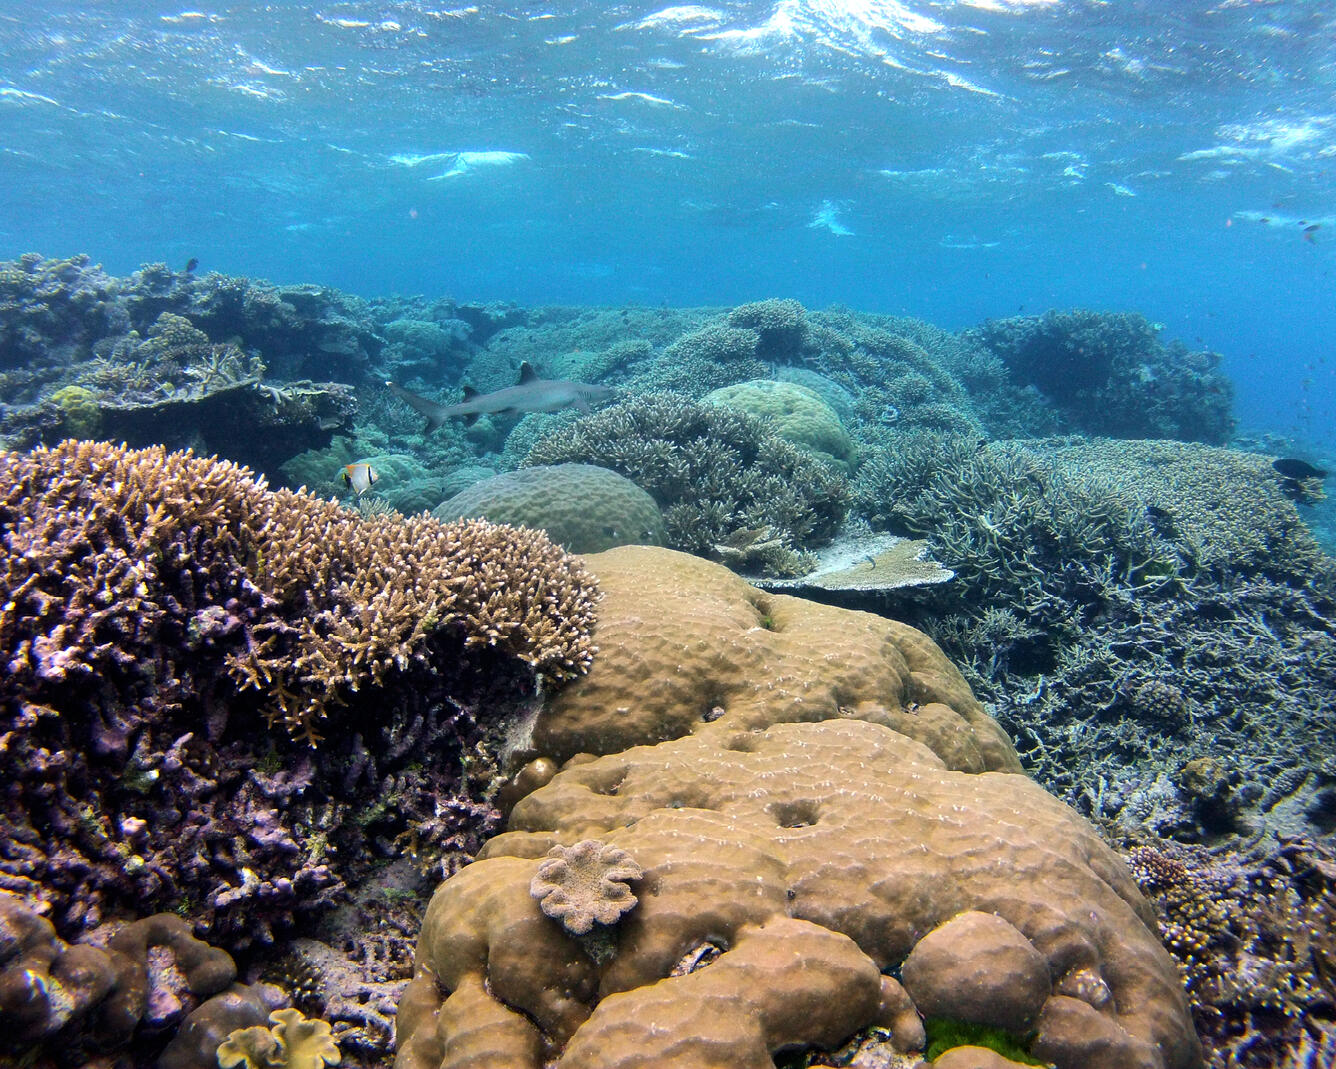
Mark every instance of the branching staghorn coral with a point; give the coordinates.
(714, 471)
(142, 592)
(1112, 596)
(337, 601)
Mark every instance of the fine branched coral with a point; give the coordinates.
(1115, 595)
(585, 884)
(712, 470)
(155, 606)
(1252, 933)
(107, 549)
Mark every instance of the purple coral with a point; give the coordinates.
(143, 588)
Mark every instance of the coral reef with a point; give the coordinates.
(1109, 373)
(1130, 608)
(713, 471)
(145, 593)
(797, 414)
(780, 324)
(86, 355)
(801, 836)
(53, 311)
(584, 508)
(711, 356)
(1252, 932)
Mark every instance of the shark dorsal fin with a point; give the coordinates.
(469, 393)
(527, 373)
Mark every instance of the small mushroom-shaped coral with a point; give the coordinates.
(585, 883)
(250, 1048)
(292, 1041)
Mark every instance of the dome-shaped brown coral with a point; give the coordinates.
(585, 883)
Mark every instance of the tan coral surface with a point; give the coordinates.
(795, 849)
(685, 647)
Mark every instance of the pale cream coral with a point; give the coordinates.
(585, 884)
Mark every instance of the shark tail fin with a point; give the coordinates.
(423, 407)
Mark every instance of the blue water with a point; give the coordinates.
(947, 160)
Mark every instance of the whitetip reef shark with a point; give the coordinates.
(530, 394)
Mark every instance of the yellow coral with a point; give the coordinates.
(291, 1041)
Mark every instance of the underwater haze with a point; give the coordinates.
(954, 161)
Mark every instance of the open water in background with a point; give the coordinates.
(948, 160)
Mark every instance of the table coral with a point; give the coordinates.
(796, 849)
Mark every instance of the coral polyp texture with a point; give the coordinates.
(155, 606)
(818, 806)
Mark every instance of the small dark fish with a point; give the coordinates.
(1161, 521)
(1314, 226)
(1297, 469)
(191, 264)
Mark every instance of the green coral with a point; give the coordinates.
(82, 412)
(945, 1033)
(292, 1041)
(796, 413)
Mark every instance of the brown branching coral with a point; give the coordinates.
(111, 553)
(585, 884)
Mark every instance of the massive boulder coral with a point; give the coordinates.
(155, 607)
(60, 1002)
(582, 507)
(816, 802)
(796, 413)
